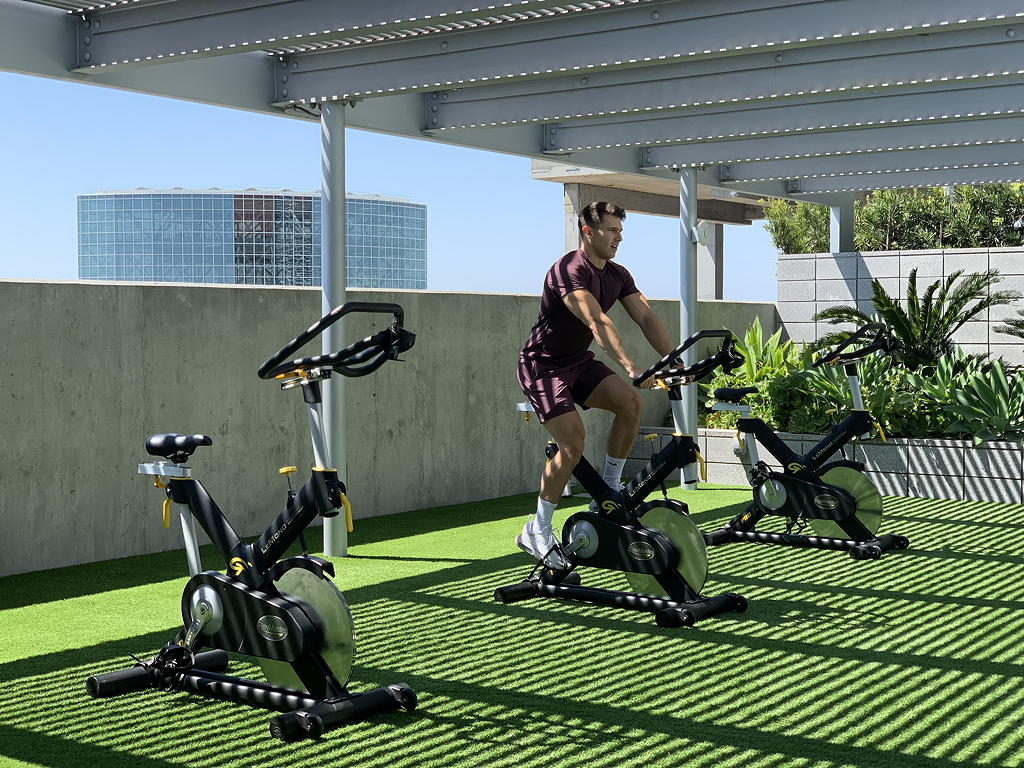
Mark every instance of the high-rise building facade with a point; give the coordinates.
(249, 237)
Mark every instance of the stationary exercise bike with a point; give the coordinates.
(653, 543)
(834, 498)
(288, 614)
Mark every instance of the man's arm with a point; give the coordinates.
(654, 330)
(583, 304)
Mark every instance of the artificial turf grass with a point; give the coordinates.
(910, 660)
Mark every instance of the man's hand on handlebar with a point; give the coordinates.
(647, 383)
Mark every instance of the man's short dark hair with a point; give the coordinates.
(592, 214)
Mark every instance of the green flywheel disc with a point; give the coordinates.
(339, 642)
(675, 524)
(865, 495)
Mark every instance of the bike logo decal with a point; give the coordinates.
(794, 467)
(640, 550)
(238, 565)
(609, 506)
(272, 628)
(826, 501)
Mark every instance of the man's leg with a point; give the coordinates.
(615, 395)
(568, 433)
(538, 537)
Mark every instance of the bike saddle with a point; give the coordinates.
(733, 394)
(175, 447)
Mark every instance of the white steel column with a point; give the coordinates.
(840, 225)
(688, 282)
(332, 264)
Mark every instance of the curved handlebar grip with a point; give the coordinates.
(879, 342)
(279, 362)
(726, 357)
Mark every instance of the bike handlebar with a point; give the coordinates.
(727, 357)
(357, 359)
(880, 343)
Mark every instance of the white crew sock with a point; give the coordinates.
(613, 471)
(545, 511)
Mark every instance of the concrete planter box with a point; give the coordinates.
(930, 469)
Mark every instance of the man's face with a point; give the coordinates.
(606, 236)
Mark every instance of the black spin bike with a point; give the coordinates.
(288, 614)
(833, 497)
(653, 543)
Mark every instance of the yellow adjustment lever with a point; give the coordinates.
(660, 384)
(881, 432)
(652, 436)
(348, 512)
(287, 471)
(167, 513)
(703, 467)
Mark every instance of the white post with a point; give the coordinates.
(332, 264)
(688, 283)
(840, 224)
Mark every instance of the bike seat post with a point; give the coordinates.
(162, 472)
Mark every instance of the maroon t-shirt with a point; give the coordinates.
(559, 338)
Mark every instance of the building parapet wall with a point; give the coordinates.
(91, 369)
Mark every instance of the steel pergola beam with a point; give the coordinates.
(870, 66)
(973, 176)
(132, 35)
(918, 135)
(873, 163)
(924, 104)
(619, 38)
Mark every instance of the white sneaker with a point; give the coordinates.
(539, 542)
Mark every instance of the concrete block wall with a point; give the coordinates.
(809, 283)
(90, 369)
(930, 469)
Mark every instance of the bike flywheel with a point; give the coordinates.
(866, 497)
(669, 518)
(323, 598)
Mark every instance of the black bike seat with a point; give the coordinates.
(175, 447)
(733, 394)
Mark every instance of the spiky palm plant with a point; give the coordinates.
(923, 329)
(1013, 327)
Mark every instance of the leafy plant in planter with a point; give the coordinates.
(989, 406)
(827, 396)
(923, 329)
(764, 361)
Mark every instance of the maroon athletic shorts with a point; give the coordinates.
(554, 391)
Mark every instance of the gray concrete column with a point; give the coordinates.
(840, 224)
(688, 321)
(332, 263)
(710, 261)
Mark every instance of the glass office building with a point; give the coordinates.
(249, 237)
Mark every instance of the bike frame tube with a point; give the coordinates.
(854, 424)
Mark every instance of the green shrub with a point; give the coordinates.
(987, 216)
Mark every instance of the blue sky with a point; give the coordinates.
(490, 226)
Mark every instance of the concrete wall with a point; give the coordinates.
(90, 369)
(808, 283)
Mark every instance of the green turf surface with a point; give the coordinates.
(911, 660)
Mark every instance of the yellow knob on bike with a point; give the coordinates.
(652, 436)
(703, 467)
(348, 512)
(660, 384)
(287, 471)
(881, 432)
(167, 513)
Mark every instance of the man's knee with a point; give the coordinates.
(629, 406)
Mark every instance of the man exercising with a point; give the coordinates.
(557, 371)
